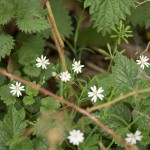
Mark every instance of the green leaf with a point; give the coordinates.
(2, 79)
(30, 20)
(47, 73)
(32, 71)
(143, 84)
(22, 143)
(6, 96)
(31, 92)
(28, 100)
(11, 127)
(49, 104)
(107, 13)
(124, 72)
(13, 123)
(40, 143)
(142, 113)
(3, 139)
(141, 16)
(7, 11)
(6, 45)
(32, 48)
(63, 20)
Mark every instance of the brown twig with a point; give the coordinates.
(62, 100)
(118, 99)
(56, 35)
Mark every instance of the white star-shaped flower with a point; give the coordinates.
(16, 89)
(76, 137)
(42, 62)
(65, 76)
(143, 61)
(76, 66)
(96, 93)
(132, 138)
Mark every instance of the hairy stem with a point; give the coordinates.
(62, 100)
(56, 35)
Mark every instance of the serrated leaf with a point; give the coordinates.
(30, 20)
(11, 127)
(40, 143)
(6, 45)
(49, 104)
(32, 71)
(6, 96)
(3, 139)
(143, 84)
(21, 144)
(7, 11)
(28, 100)
(107, 13)
(141, 16)
(13, 123)
(124, 72)
(143, 119)
(62, 18)
(119, 115)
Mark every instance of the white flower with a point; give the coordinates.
(65, 76)
(16, 89)
(132, 138)
(77, 67)
(96, 93)
(42, 62)
(143, 61)
(76, 137)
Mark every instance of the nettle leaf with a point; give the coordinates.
(143, 119)
(7, 11)
(119, 115)
(143, 84)
(22, 143)
(32, 48)
(3, 139)
(6, 45)
(63, 20)
(30, 20)
(28, 100)
(40, 143)
(141, 16)
(125, 72)
(107, 13)
(11, 127)
(13, 123)
(6, 96)
(49, 104)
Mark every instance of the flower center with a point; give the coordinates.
(95, 93)
(17, 88)
(75, 136)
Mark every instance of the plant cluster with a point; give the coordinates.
(108, 111)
